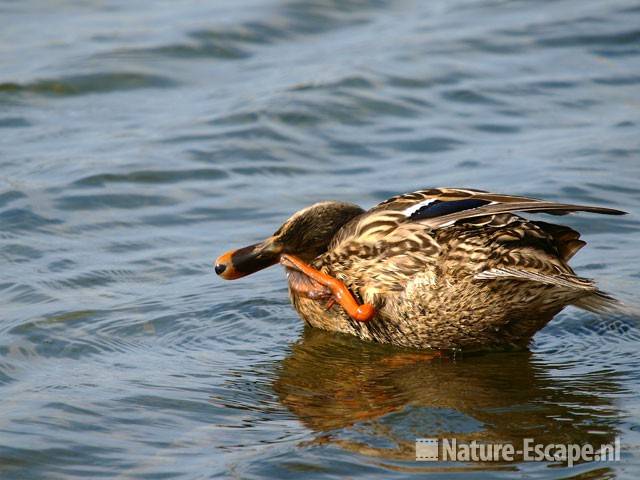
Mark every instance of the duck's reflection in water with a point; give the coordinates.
(377, 400)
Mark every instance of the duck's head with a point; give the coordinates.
(306, 234)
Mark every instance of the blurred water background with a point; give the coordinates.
(138, 140)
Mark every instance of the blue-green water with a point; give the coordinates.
(139, 140)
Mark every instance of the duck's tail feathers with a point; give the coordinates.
(604, 304)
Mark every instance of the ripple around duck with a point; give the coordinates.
(295, 118)
(342, 84)
(128, 201)
(70, 460)
(223, 154)
(469, 96)
(427, 80)
(346, 148)
(617, 188)
(618, 80)
(617, 52)
(153, 177)
(424, 145)
(23, 294)
(257, 32)
(93, 278)
(62, 265)
(18, 253)
(319, 16)
(274, 170)
(376, 104)
(291, 116)
(179, 406)
(239, 213)
(237, 42)
(7, 197)
(496, 128)
(337, 111)
(553, 84)
(630, 37)
(500, 46)
(253, 132)
(14, 122)
(16, 220)
(90, 83)
(184, 51)
(73, 335)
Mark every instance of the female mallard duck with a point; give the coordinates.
(439, 268)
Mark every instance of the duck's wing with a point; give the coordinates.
(440, 207)
(402, 217)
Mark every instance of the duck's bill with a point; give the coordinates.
(245, 261)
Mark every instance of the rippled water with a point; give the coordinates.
(137, 142)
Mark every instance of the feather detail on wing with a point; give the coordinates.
(559, 280)
(566, 239)
(592, 299)
(427, 210)
(440, 207)
(535, 206)
(600, 302)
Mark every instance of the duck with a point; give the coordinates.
(437, 268)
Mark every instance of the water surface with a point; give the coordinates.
(138, 142)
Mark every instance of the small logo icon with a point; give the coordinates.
(427, 449)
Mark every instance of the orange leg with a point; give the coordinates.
(341, 294)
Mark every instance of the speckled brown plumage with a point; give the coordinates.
(442, 268)
(475, 278)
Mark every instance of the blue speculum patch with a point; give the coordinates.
(438, 208)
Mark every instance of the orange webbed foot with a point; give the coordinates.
(340, 292)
